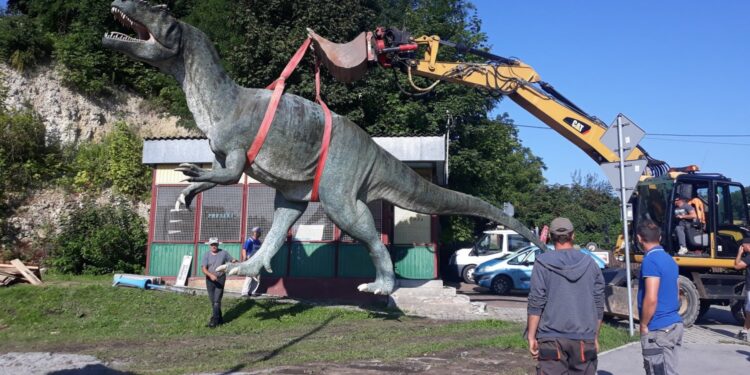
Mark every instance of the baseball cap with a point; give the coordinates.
(213, 240)
(745, 240)
(255, 229)
(561, 225)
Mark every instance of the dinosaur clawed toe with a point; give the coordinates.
(190, 169)
(377, 288)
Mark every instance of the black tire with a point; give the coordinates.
(690, 301)
(738, 312)
(468, 273)
(501, 285)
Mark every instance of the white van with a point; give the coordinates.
(493, 244)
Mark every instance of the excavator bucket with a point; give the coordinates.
(347, 62)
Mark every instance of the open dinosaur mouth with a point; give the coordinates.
(142, 31)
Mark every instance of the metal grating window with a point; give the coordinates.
(260, 208)
(221, 213)
(308, 227)
(376, 208)
(170, 225)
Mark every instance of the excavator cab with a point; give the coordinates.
(720, 206)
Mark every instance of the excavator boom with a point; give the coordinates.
(393, 48)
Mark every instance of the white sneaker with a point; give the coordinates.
(683, 250)
(742, 335)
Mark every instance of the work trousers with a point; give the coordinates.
(682, 229)
(565, 356)
(215, 294)
(660, 350)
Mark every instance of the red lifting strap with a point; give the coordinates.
(278, 88)
(326, 135)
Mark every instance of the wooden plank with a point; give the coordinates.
(10, 266)
(26, 272)
(6, 280)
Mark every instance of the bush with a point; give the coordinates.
(99, 240)
(114, 162)
(22, 43)
(28, 157)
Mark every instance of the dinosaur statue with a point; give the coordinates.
(357, 170)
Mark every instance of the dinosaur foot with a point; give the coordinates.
(379, 287)
(246, 268)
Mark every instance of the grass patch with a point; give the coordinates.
(151, 331)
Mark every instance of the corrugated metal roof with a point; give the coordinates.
(417, 152)
(196, 150)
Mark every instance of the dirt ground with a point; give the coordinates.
(473, 361)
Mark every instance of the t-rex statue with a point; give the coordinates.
(357, 170)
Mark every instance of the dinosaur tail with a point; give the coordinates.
(400, 185)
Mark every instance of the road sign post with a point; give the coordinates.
(623, 136)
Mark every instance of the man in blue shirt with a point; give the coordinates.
(249, 248)
(658, 303)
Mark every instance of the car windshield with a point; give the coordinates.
(506, 256)
(517, 257)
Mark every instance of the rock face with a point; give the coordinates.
(75, 117)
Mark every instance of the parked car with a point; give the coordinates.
(513, 271)
(492, 245)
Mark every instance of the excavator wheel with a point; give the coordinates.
(689, 301)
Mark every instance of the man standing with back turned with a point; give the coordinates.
(566, 305)
(658, 303)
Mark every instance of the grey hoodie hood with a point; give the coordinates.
(570, 264)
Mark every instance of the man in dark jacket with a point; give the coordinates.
(566, 305)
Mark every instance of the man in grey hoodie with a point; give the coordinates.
(566, 305)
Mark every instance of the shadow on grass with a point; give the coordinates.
(90, 370)
(273, 353)
(237, 310)
(276, 314)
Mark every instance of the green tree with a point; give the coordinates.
(28, 157)
(588, 202)
(99, 240)
(22, 42)
(487, 158)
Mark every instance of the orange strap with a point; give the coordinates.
(278, 89)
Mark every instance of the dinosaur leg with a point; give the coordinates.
(356, 220)
(285, 214)
(226, 170)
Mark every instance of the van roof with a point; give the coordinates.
(500, 231)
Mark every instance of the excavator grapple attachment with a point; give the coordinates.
(347, 62)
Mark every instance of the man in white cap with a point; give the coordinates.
(566, 305)
(215, 280)
(249, 248)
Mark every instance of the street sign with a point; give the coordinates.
(631, 136)
(633, 172)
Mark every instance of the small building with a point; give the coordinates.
(318, 260)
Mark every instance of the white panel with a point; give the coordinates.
(410, 227)
(165, 174)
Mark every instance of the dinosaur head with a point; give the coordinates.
(158, 34)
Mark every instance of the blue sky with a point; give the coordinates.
(672, 67)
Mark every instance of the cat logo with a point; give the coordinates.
(577, 125)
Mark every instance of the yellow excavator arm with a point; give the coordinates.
(512, 78)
